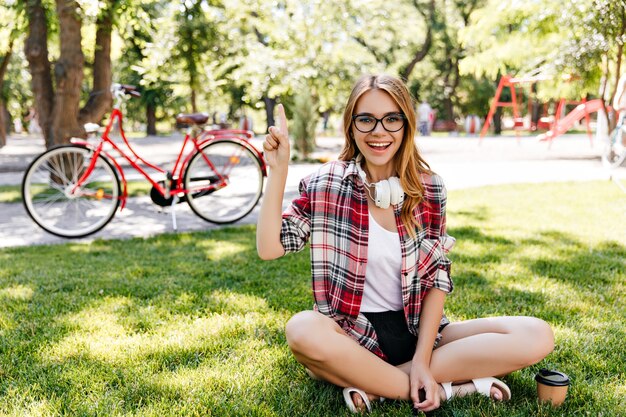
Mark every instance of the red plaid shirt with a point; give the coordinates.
(332, 213)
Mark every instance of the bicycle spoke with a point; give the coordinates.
(53, 171)
(62, 175)
(50, 203)
(224, 181)
(89, 206)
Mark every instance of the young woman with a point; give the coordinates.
(376, 224)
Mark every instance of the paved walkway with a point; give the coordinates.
(463, 163)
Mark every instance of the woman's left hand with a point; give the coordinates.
(422, 379)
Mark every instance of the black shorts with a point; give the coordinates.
(394, 338)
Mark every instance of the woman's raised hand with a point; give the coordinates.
(276, 144)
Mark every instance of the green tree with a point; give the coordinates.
(305, 116)
(198, 36)
(58, 102)
(438, 78)
(575, 47)
(399, 36)
(4, 65)
(11, 28)
(144, 66)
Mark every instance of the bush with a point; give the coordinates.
(305, 117)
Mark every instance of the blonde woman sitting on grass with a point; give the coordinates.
(376, 223)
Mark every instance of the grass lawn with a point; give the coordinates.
(192, 324)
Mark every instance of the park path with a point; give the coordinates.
(463, 163)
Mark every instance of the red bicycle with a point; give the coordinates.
(74, 190)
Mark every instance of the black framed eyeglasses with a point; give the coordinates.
(366, 123)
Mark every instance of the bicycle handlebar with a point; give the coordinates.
(120, 91)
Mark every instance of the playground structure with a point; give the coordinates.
(556, 125)
(561, 126)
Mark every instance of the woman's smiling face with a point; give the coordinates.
(379, 146)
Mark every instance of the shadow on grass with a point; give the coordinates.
(480, 213)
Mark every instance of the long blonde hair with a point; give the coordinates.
(408, 162)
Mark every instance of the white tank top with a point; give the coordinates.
(383, 284)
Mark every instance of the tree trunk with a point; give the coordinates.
(612, 121)
(194, 106)
(4, 64)
(36, 50)
(8, 119)
(497, 121)
(100, 100)
(68, 73)
(423, 51)
(3, 131)
(151, 119)
(270, 103)
(448, 108)
(325, 117)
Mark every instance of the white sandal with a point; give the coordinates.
(483, 386)
(347, 396)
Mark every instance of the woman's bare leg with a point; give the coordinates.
(490, 346)
(323, 347)
(469, 349)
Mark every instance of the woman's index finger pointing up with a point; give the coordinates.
(282, 119)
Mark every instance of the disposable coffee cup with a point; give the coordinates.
(552, 386)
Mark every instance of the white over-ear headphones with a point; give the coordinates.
(387, 191)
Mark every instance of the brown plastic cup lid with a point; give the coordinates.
(552, 378)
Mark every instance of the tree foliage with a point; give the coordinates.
(241, 56)
(574, 47)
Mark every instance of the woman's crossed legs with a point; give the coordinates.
(469, 349)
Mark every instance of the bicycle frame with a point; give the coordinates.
(173, 178)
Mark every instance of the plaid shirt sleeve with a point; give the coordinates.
(443, 280)
(296, 224)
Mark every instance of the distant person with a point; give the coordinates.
(17, 125)
(33, 121)
(424, 114)
(619, 103)
(375, 221)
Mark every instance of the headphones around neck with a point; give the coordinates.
(387, 191)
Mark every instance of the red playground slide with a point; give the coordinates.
(566, 123)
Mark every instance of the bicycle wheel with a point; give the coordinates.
(224, 181)
(54, 201)
(614, 151)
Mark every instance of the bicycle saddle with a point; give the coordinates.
(192, 118)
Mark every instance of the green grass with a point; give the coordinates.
(192, 324)
(13, 193)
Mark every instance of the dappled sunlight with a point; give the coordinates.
(195, 322)
(247, 376)
(93, 248)
(16, 292)
(36, 408)
(220, 250)
(12, 300)
(232, 302)
(588, 349)
(556, 296)
(564, 333)
(117, 329)
(246, 365)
